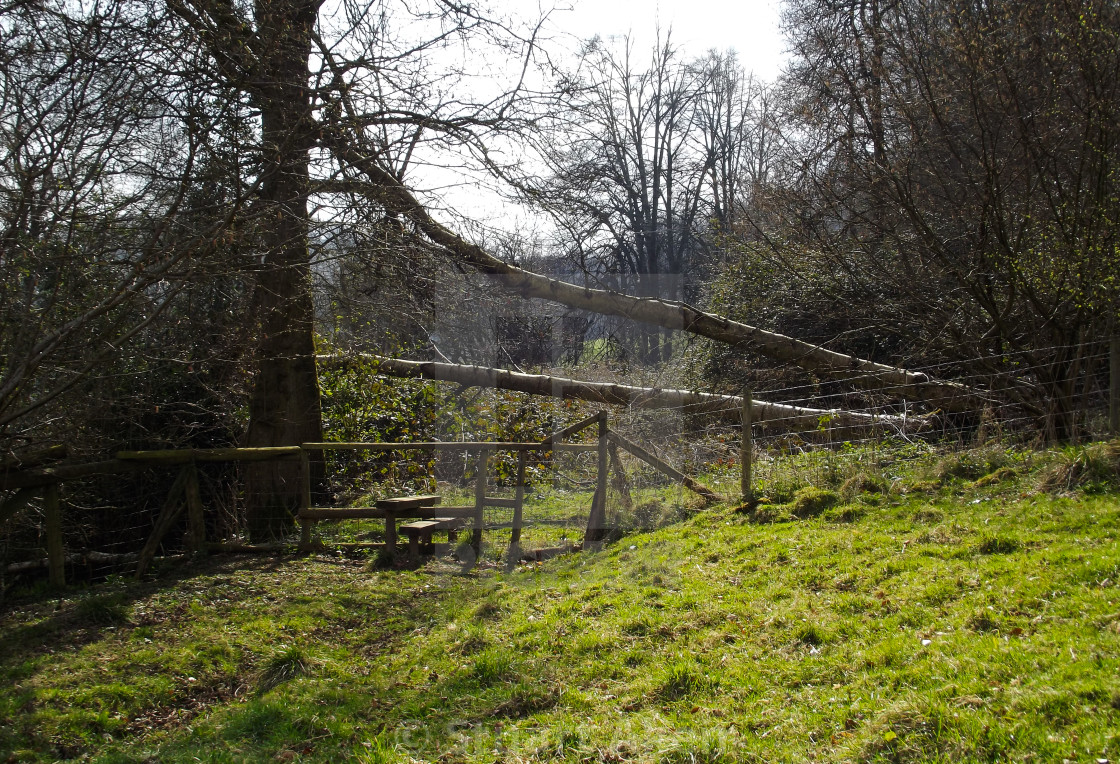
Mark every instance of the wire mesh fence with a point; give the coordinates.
(107, 519)
(556, 495)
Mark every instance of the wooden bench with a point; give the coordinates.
(388, 509)
(420, 534)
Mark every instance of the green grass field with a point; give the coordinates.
(932, 609)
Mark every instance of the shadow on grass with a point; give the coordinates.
(80, 615)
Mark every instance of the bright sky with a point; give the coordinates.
(748, 26)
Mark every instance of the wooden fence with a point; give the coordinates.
(25, 484)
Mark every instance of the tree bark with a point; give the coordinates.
(284, 407)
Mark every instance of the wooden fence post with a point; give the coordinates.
(746, 454)
(518, 507)
(167, 517)
(482, 468)
(621, 481)
(602, 470)
(196, 518)
(56, 552)
(1114, 385)
(597, 517)
(306, 524)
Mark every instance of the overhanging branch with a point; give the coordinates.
(894, 381)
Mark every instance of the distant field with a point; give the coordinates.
(933, 609)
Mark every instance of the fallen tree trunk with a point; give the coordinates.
(897, 382)
(75, 558)
(29, 459)
(47, 475)
(777, 415)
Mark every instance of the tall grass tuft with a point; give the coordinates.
(1093, 468)
(290, 662)
(682, 680)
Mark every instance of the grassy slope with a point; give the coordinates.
(963, 623)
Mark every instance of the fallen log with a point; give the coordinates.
(47, 475)
(185, 455)
(74, 558)
(18, 501)
(776, 415)
(28, 459)
(860, 372)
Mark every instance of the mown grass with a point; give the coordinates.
(929, 611)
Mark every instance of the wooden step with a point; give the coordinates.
(464, 511)
(403, 506)
(420, 534)
(435, 524)
(408, 502)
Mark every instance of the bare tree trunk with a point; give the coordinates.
(284, 408)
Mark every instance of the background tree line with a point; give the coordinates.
(193, 196)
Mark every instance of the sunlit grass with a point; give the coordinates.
(939, 608)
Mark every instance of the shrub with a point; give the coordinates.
(288, 663)
(971, 465)
(999, 476)
(102, 610)
(811, 634)
(997, 545)
(491, 667)
(848, 513)
(863, 483)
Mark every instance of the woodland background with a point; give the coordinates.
(198, 199)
